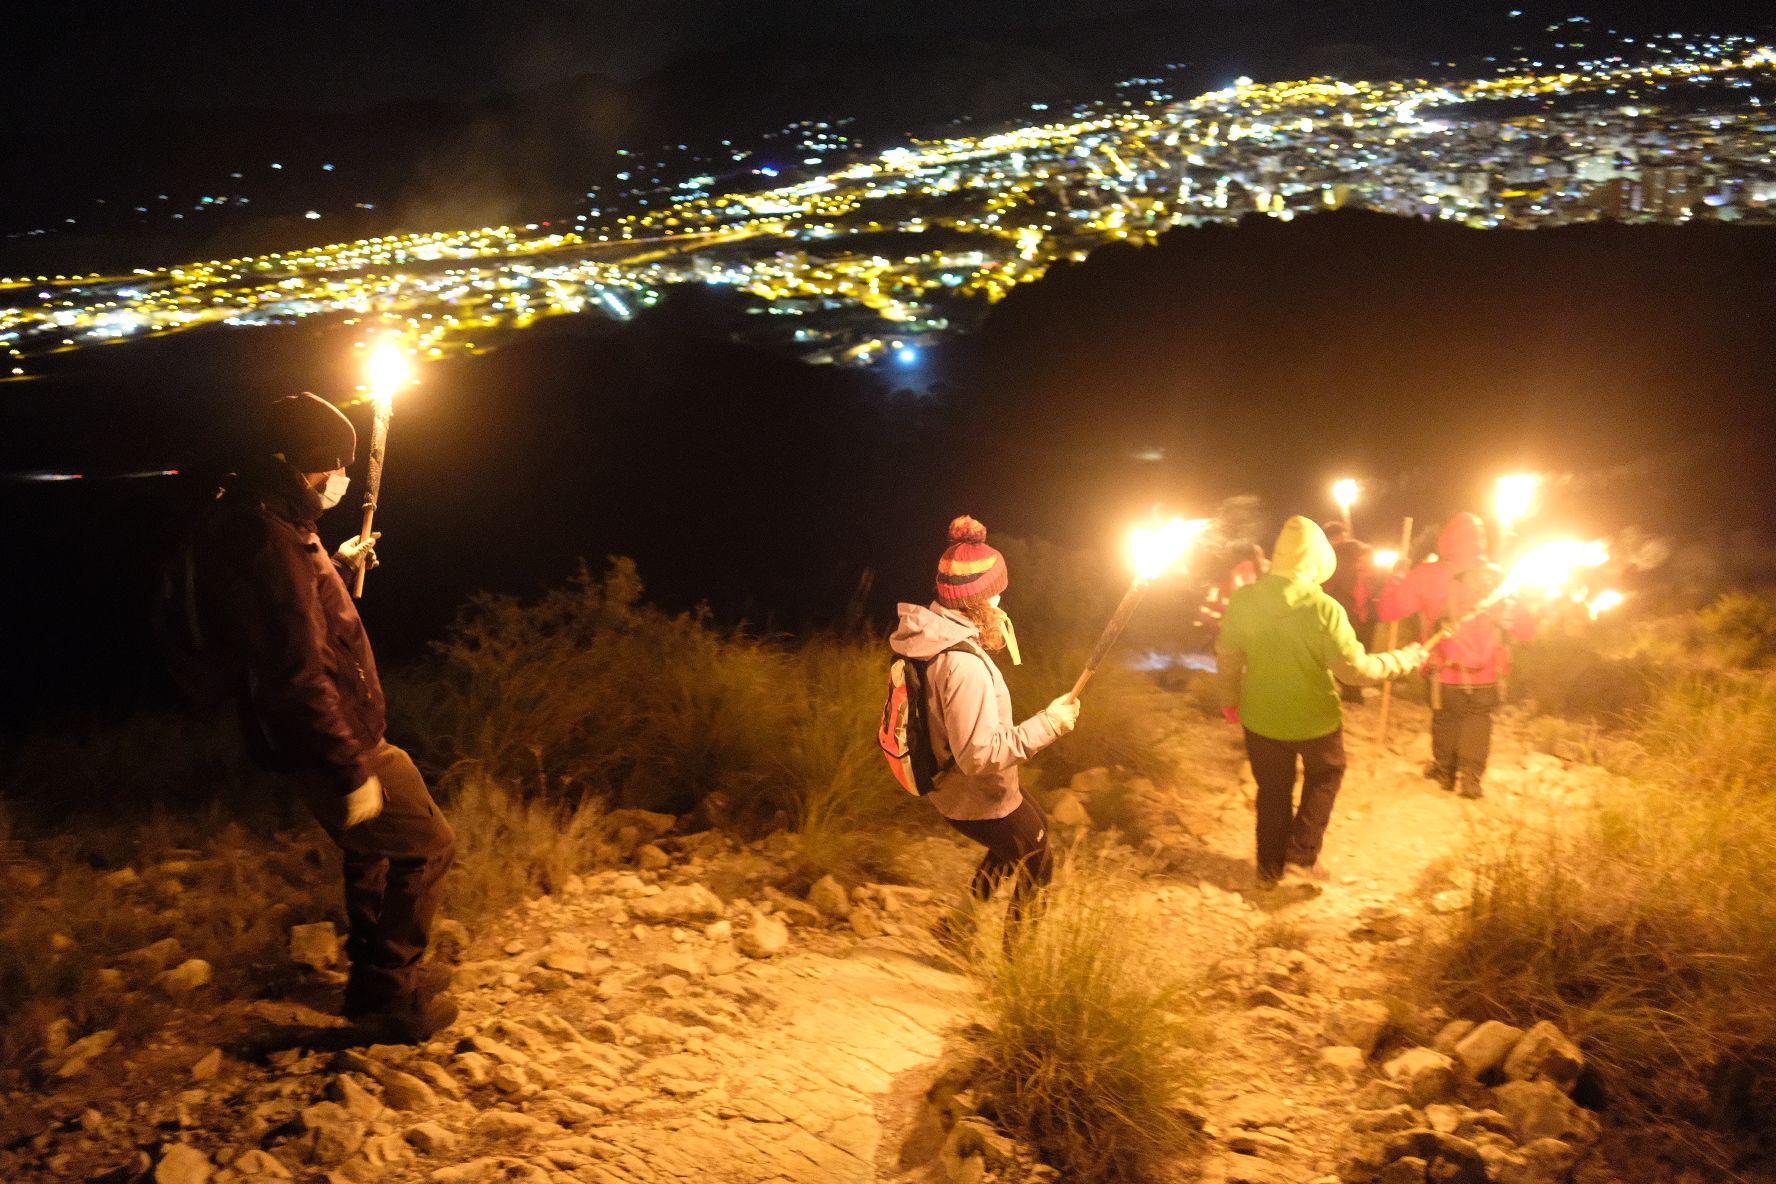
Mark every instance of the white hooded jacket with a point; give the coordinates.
(970, 713)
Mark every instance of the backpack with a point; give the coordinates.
(904, 734)
(193, 659)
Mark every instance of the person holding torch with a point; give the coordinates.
(978, 742)
(1283, 647)
(1470, 665)
(288, 639)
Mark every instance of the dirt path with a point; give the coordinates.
(639, 1028)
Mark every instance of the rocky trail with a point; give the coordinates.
(679, 1018)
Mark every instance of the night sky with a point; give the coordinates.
(77, 61)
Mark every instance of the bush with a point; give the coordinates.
(511, 847)
(590, 694)
(1648, 929)
(1741, 629)
(1091, 1033)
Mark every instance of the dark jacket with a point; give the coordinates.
(279, 610)
(1349, 584)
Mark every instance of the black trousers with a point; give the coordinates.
(394, 875)
(1017, 845)
(1289, 832)
(1461, 731)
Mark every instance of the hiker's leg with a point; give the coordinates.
(1446, 728)
(1322, 773)
(1476, 735)
(1273, 768)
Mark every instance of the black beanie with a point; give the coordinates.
(311, 434)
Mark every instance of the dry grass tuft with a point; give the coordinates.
(1092, 1033)
(1648, 928)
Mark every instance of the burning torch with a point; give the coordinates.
(1156, 549)
(386, 370)
(1514, 499)
(1345, 494)
(1548, 568)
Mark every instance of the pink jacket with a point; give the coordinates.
(1449, 586)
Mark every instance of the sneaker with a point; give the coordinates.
(1267, 880)
(408, 1024)
(1317, 875)
(1444, 778)
(1470, 788)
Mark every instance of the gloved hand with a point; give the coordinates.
(363, 803)
(357, 551)
(1232, 716)
(1063, 713)
(1415, 655)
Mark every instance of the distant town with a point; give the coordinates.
(850, 256)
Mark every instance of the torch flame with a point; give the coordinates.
(1604, 601)
(1516, 497)
(1386, 560)
(1157, 548)
(387, 369)
(1550, 567)
(1345, 493)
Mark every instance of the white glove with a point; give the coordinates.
(363, 803)
(358, 551)
(1063, 714)
(1415, 655)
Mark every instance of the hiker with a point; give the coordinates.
(978, 746)
(1243, 566)
(1350, 586)
(312, 707)
(1469, 668)
(1282, 643)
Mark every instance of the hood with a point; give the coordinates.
(277, 487)
(1462, 544)
(924, 633)
(1302, 553)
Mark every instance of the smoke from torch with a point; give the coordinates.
(386, 370)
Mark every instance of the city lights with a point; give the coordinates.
(970, 217)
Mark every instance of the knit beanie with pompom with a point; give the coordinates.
(970, 572)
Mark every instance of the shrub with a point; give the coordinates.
(511, 847)
(589, 693)
(1648, 928)
(1091, 1033)
(1741, 629)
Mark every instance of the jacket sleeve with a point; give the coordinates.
(1400, 597)
(1347, 659)
(1230, 674)
(980, 741)
(278, 621)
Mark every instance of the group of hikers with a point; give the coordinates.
(269, 596)
(1287, 656)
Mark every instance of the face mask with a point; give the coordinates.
(333, 489)
(1010, 635)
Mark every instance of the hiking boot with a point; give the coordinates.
(1444, 778)
(413, 1021)
(1470, 787)
(1267, 879)
(365, 995)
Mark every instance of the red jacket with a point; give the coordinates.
(308, 686)
(1448, 587)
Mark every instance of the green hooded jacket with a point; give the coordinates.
(1283, 639)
